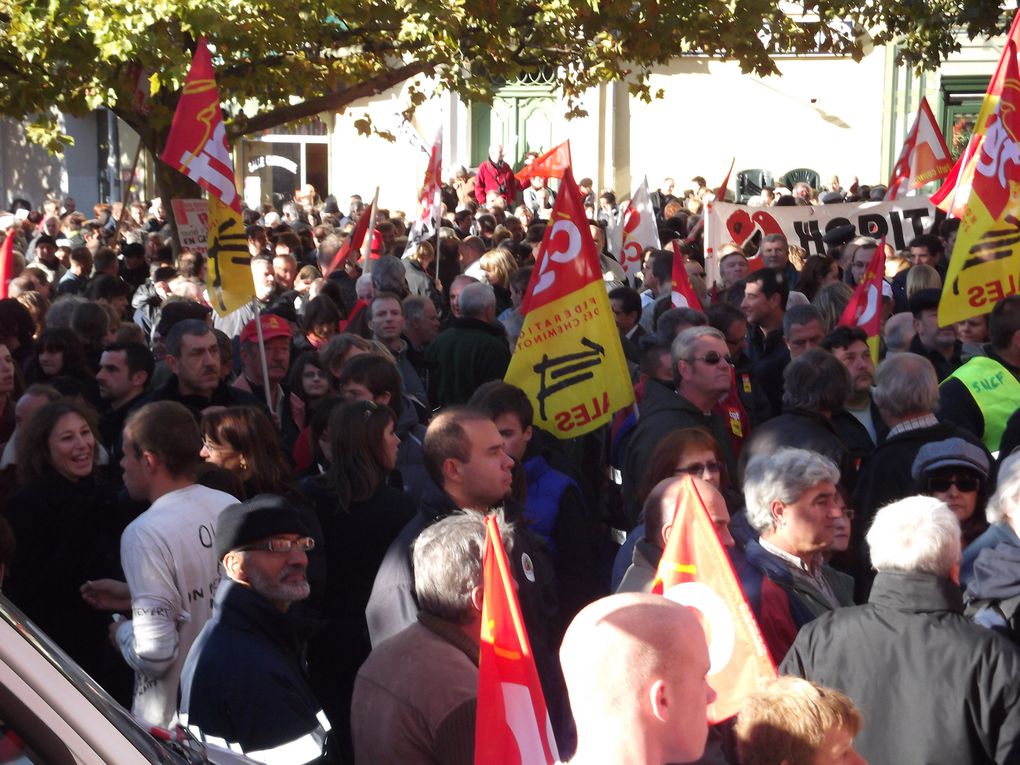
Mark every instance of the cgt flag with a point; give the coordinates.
(197, 147)
(639, 230)
(695, 571)
(430, 198)
(568, 357)
(865, 307)
(985, 264)
(512, 725)
(952, 197)
(553, 164)
(924, 157)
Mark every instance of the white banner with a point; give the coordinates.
(805, 225)
(192, 224)
(639, 230)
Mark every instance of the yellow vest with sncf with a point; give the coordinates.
(996, 392)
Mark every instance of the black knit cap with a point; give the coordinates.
(261, 517)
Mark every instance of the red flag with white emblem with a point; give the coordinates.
(865, 307)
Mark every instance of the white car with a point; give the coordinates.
(52, 712)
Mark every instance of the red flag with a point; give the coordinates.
(683, 293)
(6, 263)
(430, 199)
(354, 241)
(953, 196)
(552, 164)
(197, 144)
(720, 193)
(924, 157)
(512, 724)
(865, 307)
(696, 572)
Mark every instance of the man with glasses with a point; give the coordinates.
(704, 368)
(244, 684)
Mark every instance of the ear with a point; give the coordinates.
(954, 572)
(666, 530)
(477, 595)
(139, 378)
(658, 699)
(778, 511)
(383, 398)
(452, 470)
(151, 461)
(527, 434)
(171, 362)
(233, 565)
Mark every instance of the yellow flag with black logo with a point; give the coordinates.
(228, 276)
(568, 358)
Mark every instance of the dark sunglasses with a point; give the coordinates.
(963, 483)
(713, 358)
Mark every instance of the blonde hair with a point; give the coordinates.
(922, 277)
(788, 720)
(498, 264)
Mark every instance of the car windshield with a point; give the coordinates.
(133, 731)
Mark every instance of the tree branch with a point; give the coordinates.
(330, 101)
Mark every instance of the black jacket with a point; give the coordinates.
(463, 357)
(769, 356)
(224, 395)
(803, 429)
(660, 412)
(932, 686)
(943, 366)
(856, 437)
(244, 680)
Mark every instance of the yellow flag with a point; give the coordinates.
(985, 263)
(228, 276)
(568, 357)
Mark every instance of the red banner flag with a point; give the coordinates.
(197, 144)
(696, 572)
(6, 263)
(865, 307)
(720, 193)
(924, 157)
(952, 197)
(684, 295)
(430, 199)
(552, 164)
(353, 242)
(512, 725)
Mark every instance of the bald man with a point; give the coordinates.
(635, 668)
(659, 512)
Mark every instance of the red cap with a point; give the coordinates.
(272, 326)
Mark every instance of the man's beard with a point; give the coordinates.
(278, 590)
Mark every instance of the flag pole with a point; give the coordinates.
(262, 354)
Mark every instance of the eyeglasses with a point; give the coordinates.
(713, 358)
(963, 483)
(699, 468)
(212, 446)
(283, 545)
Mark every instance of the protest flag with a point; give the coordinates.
(720, 193)
(512, 725)
(568, 357)
(370, 248)
(639, 230)
(865, 307)
(430, 199)
(354, 240)
(953, 196)
(6, 263)
(985, 263)
(924, 157)
(684, 295)
(696, 572)
(552, 164)
(197, 147)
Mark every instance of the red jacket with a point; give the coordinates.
(499, 178)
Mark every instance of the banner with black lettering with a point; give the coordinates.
(898, 221)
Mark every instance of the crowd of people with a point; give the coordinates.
(268, 525)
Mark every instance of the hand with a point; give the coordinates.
(107, 595)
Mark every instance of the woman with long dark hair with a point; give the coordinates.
(67, 531)
(361, 514)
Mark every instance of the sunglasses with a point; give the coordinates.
(282, 545)
(963, 483)
(713, 357)
(699, 468)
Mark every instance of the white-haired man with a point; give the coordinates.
(933, 686)
(793, 503)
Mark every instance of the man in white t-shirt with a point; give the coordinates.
(167, 553)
